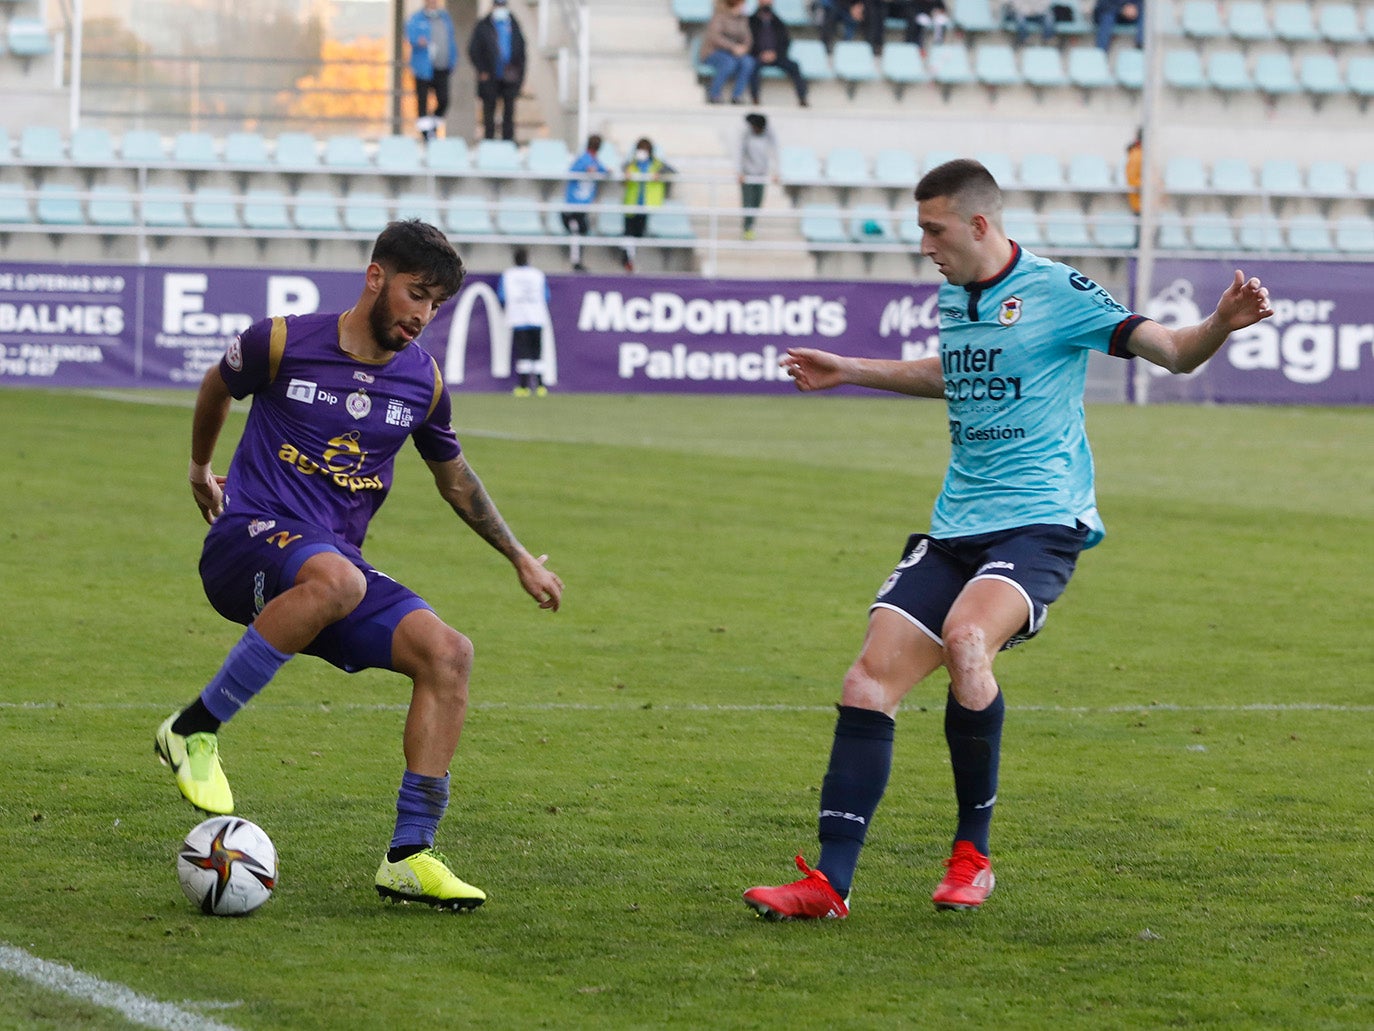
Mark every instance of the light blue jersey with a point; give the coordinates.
(1014, 350)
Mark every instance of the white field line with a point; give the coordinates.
(137, 1009)
(697, 708)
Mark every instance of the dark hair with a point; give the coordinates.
(522, 255)
(415, 247)
(646, 144)
(758, 121)
(964, 181)
(593, 143)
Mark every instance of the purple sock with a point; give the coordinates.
(248, 667)
(420, 806)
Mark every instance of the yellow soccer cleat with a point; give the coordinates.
(425, 877)
(194, 759)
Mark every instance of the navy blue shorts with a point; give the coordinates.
(246, 562)
(1037, 560)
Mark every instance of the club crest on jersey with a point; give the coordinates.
(234, 354)
(358, 404)
(364, 377)
(1009, 312)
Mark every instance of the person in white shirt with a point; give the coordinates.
(524, 293)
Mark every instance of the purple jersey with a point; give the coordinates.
(325, 427)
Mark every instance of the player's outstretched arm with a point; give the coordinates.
(811, 369)
(461, 488)
(1243, 303)
(212, 408)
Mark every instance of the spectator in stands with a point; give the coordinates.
(580, 195)
(867, 15)
(433, 55)
(497, 52)
(1025, 15)
(771, 41)
(1135, 164)
(927, 21)
(524, 294)
(646, 187)
(727, 45)
(1108, 14)
(758, 159)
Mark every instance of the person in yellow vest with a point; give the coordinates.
(645, 187)
(1134, 167)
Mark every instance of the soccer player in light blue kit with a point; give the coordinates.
(335, 397)
(1016, 508)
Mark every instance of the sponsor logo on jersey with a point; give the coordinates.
(398, 414)
(1009, 311)
(358, 404)
(234, 354)
(917, 553)
(259, 590)
(988, 566)
(364, 377)
(258, 526)
(342, 462)
(302, 390)
(889, 583)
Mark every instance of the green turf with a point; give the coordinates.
(1184, 832)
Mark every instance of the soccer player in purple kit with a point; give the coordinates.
(335, 396)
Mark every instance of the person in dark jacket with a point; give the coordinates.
(771, 40)
(497, 53)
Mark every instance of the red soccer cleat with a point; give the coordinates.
(811, 898)
(968, 879)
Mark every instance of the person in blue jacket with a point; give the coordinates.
(433, 55)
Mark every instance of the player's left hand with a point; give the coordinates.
(1245, 302)
(209, 495)
(541, 583)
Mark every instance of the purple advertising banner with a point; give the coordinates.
(94, 326)
(1317, 349)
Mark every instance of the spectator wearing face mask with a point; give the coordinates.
(646, 187)
(497, 53)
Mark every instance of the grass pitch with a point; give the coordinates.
(1183, 836)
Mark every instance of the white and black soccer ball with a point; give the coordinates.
(227, 866)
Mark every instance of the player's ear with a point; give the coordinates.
(375, 277)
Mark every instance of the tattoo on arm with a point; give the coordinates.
(464, 491)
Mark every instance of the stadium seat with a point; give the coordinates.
(949, 65)
(692, 12)
(822, 223)
(297, 151)
(1248, 21)
(28, 37)
(1115, 231)
(1183, 70)
(871, 223)
(423, 206)
(1328, 179)
(398, 155)
(1320, 75)
(1201, 19)
(448, 156)
(1292, 22)
(1227, 71)
(1339, 23)
(975, 15)
(847, 166)
(469, 215)
(1088, 68)
(1260, 231)
(518, 216)
(1185, 174)
(213, 208)
(811, 57)
(1212, 231)
(366, 212)
(246, 150)
(1281, 177)
(1090, 173)
(793, 13)
(1170, 233)
(59, 205)
(1066, 228)
(92, 145)
(1042, 67)
(671, 221)
(164, 207)
(1129, 68)
(854, 63)
(937, 157)
(1023, 226)
(994, 64)
(1041, 172)
(895, 168)
(548, 157)
(798, 166)
(1364, 179)
(346, 152)
(1274, 75)
(1001, 166)
(14, 205)
(265, 208)
(110, 205)
(1359, 75)
(1232, 176)
(909, 227)
(42, 145)
(194, 148)
(497, 157)
(1355, 234)
(903, 66)
(1309, 234)
(316, 211)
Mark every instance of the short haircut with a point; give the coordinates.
(593, 143)
(522, 255)
(965, 182)
(414, 247)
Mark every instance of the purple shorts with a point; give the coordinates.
(247, 561)
(1037, 560)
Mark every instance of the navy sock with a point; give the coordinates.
(975, 751)
(195, 719)
(247, 669)
(420, 805)
(860, 763)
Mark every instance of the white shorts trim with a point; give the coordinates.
(1030, 605)
(910, 619)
